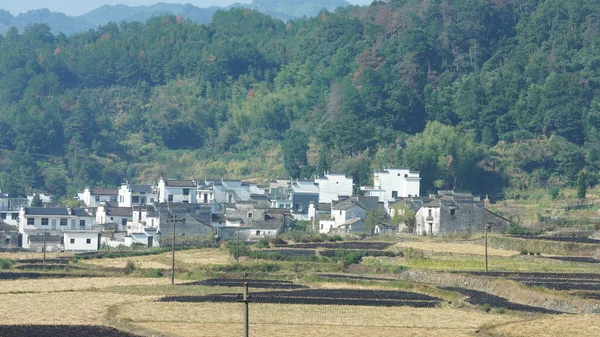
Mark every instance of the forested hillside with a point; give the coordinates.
(479, 95)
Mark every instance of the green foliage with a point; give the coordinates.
(489, 96)
(36, 201)
(404, 215)
(6, 264)
(554, 192)
(130, 267)
(374, 218)
(581, 185)
(237, 248)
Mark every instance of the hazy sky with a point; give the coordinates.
(78, 7)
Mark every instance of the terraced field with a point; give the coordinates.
(60, 331)
(554, 281)
(385, 298)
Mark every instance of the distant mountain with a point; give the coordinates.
(59, 22)
(62, 23)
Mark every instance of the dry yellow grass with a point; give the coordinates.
(32, 255)
(75, 284)
(294, 330)
(61, 308)
(185, 259)
(442, 247)
(556, 326)
(309, 315)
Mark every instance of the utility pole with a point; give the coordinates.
(246, 301)
(488, 227)
(173, 220)
(44, 249)
(237, 248)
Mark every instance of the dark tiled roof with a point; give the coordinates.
(55, 211)
(218, 217)
(119, 211)
(3, 196)
(180, 183)
(346, 204)
(104, 191)
(141, 189)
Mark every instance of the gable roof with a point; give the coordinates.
(104, 191)
(3, 196)
(56, 211)
(180, 183)
(141, 189)
(346, 204)
(119, 211)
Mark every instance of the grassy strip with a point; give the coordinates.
(543, 246)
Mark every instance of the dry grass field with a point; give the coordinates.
(457, 248)
(130, 303)
(74, 284)
(225, 319)
(183, 259)
(554, 326)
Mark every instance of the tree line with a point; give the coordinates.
(479, 95)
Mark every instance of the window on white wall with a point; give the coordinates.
(72, 241)
(88, 241)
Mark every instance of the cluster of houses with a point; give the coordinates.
(234, 209)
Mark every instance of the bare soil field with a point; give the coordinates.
(262, 284)
(60, 331)
(484, 299)
(555, 281)
(357, 297)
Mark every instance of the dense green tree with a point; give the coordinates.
(295, 145)
(581, 185)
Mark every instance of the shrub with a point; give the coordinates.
(335, 238)
(411, 253)
(6, 264)
(500, 310)
(486, 307)
(523, 252)
(130, 267)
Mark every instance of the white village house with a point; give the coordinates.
(176, 191)
(136, 195)
(58, 228)
(393, 183)
(92, 197)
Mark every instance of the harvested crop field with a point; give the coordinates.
(385, 298)
(74, 284)
(574, 239)
(554, 326)
(61, 308)
(60, 331)
(183, 258)
(555, 281)
(295, 320)
(34, 275)
(481, 298)
(263, 284)
(456, 248)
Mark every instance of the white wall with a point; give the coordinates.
(176, 192)
(397, 183)
(332, 186)
(81, 241)
(422, 225)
